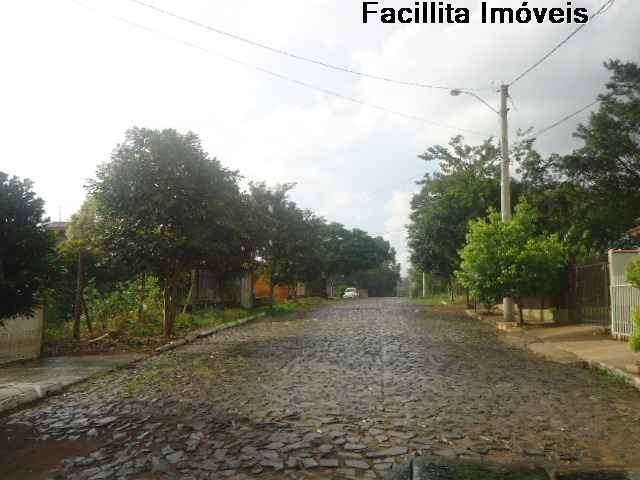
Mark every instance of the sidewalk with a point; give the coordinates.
(25, 382)
(595, 349)
(577, 344)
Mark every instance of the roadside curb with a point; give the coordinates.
(28, 393)
(532, 339)
(206, 333)
(16, 395)
(628, 378)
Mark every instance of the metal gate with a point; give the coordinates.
(625, 299)
(593, 301)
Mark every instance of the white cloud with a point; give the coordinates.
(74, 80)
(398, 209)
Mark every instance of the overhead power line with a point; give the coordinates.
(606, 6)
(289, 54)
(562, 120)
(290, 79)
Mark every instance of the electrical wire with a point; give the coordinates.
(289, 54)
(561, 121)
(287, 78)
(606, 6)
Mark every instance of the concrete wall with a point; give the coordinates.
(21, 338)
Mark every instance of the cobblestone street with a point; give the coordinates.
(343, 392)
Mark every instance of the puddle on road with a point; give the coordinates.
(23, 457)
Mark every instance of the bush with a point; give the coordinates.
(511, 259)
(633, 272)
(634, 340)
(130, 307)
(633, 277)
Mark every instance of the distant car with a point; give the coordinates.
(350, 293)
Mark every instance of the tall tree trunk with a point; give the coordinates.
(87, 317)
(141, 296)
(271, 290)
(77, 308)
(169, 297)
(192, 285)
(521, 313)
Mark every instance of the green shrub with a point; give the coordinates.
(511, 259)
(634, 340)
(633, 277)
(130, 307)
(633, 272)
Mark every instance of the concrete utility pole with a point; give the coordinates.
(505, 182)
(505, 175)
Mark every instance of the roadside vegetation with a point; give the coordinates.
(443, 298)
(569, 208)
(121, 273)
(633, 277)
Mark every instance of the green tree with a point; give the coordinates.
(591, 196)
(284, 231)
(26, 247)
(465, 187)
(166, 207)
(346, 253)
(380, 281)
(633, 277)
(82, 246)
(511, 259)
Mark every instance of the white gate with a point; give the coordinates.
(624, 298)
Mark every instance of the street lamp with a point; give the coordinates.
(505, 178)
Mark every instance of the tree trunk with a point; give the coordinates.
(87, 317)
(141, 297)
(169, 298)
(187, 303)
(520, 312)
(271, 290)
(77, 308)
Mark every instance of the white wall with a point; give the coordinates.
(21, 338)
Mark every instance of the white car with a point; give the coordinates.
(350, 293)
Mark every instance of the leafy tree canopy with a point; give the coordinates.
(591, 196)
(166, 207)
(465, 187)
(26, 247)
(511, 259)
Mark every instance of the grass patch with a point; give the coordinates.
(440, 299)
(127, 332)
(167, 377)
(299, 305)
(209, 318)
(612, 377)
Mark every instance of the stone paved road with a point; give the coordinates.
(344, 392)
